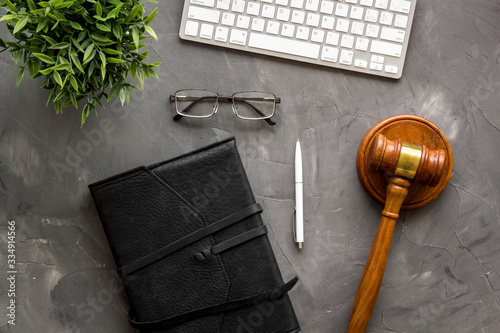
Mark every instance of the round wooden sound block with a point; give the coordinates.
(411, 129)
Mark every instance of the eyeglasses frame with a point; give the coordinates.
(218, 99)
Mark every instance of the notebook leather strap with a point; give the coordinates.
(189, 239)
(271, 295)
(230, 243)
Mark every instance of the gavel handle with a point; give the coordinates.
(373, 273)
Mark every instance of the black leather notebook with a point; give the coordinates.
(191, 248)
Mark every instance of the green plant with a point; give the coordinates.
(84, 48)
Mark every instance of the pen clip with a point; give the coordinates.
(293, 224)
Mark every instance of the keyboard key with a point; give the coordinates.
(352, 1)
(284, 45)
(401, 21)
(368, 3)
(346, 57)
(347, 41)
(243, 22)
(203, 14)
(282, 2)
(393, 35)
(268, 11)
(362, 44)
(357, 13)
(312, 5)
(221, 34)
(377, 58)
(360, 63)
(317, 36)
(298, 17)
(400, 6)
(238, 37)
(287, 30)
(273, 27)
(207, 3)
(206, 31)
(371, 15)
(258, 24)
(376, 66)
(382, 4)
(332, 38)
(191, 28)
(384, 48)
(329, 54)
(327, 22)
(312, 20)
(341, 10)
(302, 33)
(391, 69)
(228, 19)
(327, 7)
(223, 4)
(357, 28)
(386, 18)
(297, 4)
(342, 25)
(283, 14)
(253, 8)
(238, 6)
(372, 30)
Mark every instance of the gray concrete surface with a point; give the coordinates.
(443, 272)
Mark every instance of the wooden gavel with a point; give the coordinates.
(404, 163)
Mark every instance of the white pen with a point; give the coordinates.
(299, 200)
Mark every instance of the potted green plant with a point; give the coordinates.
(85, 49)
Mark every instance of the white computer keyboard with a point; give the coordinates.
(369, 36)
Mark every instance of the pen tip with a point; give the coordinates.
(298, 140)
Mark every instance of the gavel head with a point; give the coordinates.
(407, 160)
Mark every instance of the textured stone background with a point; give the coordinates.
(443, 272)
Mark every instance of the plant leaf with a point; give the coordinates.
(20, 24)
(88, 52)
(59, 46)
(75, 25)
(76, 61)
(49, 39)
(135, 36)
(20, 76)
(151, 31)
(31, 5)
(115, 60)
(46, 71)
(44, 58)
(133, 13)
(11, 6)
(112, 51)
(101, 40)
(150, 17)
(73, 82)
(103, 27)
(98, 9)
(57, 78)
(133, 68)
(103, 58)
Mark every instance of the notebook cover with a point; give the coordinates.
(148, 208)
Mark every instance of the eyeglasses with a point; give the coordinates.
(202, 103)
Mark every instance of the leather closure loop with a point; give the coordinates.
(189, 239)
(230, 243)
